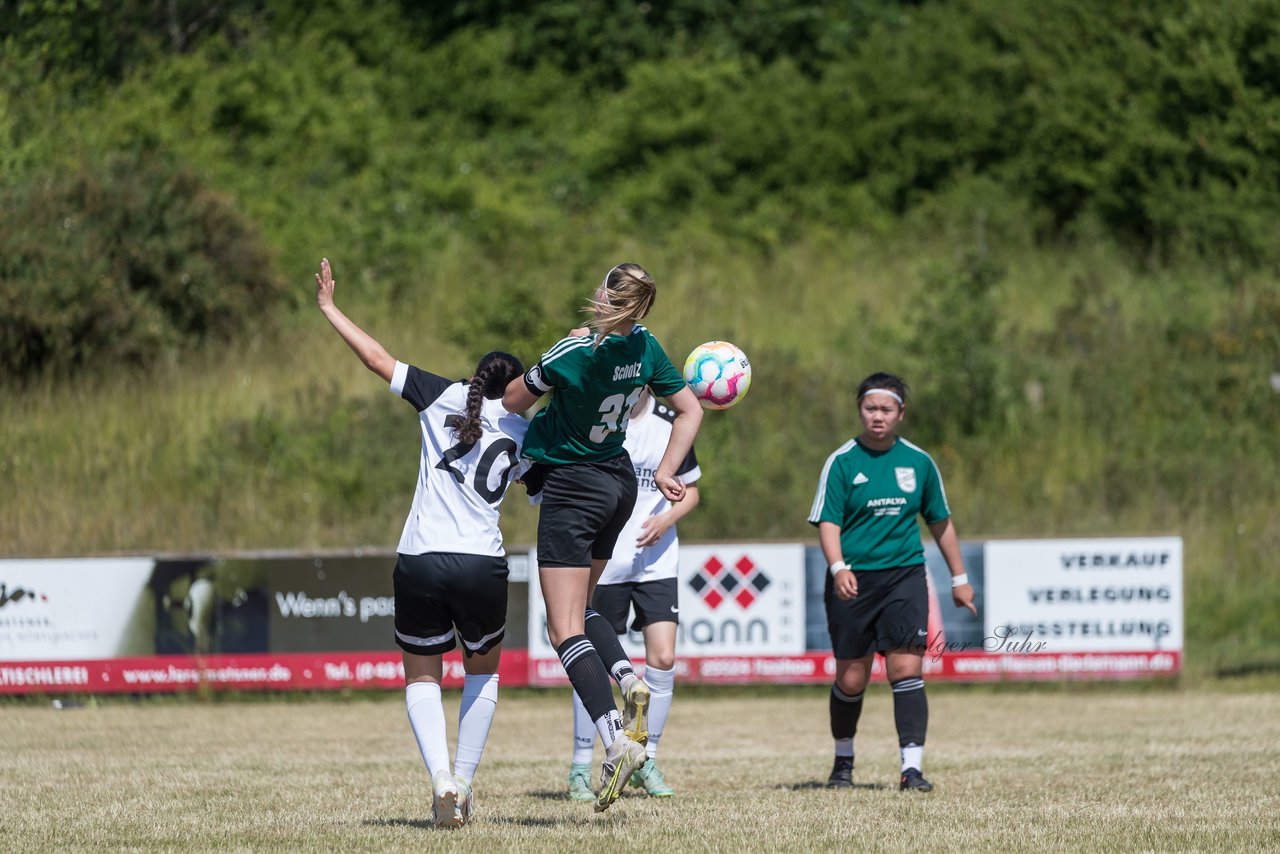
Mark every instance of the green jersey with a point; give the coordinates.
(595, 389)
(874, 497)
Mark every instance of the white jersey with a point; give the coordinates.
(455, 506)
(646, 442)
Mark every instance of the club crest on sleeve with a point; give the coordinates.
(906, 478)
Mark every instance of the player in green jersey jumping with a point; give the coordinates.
(588, 488)
(877, 598)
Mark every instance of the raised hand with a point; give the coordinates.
(324, 284)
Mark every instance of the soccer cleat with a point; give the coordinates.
(635, 705)
(621, 760)
(841, 773)
(649, 778)
(466, 800)
(580, 783)
(444, 800)
(912, 779)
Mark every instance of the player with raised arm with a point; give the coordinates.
(642, 575)
(588, 488)
(450, 578)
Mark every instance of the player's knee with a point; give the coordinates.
(660, 659)
(851, 682)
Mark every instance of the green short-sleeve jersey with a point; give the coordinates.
(594, 391)
(874, 497)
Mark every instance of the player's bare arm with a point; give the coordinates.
(845, 582)
(374, 356)
(684, 429)
(944, 533)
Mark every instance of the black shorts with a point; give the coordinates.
(584, 506)
(890, 612)
(441, 594)
(654, 601)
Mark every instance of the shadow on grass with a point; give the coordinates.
(425, 824)
(419, 823)
(812, 785)
(529, 822)
(550, 795)
(563, 795)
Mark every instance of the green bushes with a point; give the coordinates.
(760, 119)
(121, 263)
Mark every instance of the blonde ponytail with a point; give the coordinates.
(625, 296)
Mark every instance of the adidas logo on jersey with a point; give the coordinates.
(860, 479)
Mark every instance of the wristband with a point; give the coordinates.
(959, 580)
(837, 567)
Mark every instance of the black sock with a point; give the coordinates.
(845, 711)
(587, 675)
(910, 711)
(607, 645)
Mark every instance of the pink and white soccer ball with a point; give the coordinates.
(718, 373)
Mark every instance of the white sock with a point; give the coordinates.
(426, 717)
(913, 757)
(844, 747)
(662, 684)
(584, 733)
(610, 727)
(479, 702)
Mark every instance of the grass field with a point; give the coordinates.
(1113, 769)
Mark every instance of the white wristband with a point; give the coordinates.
(959, 580)
(837, 567)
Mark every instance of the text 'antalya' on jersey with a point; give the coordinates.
(460, 485)
(595, 390)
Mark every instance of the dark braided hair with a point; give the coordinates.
(494, 371)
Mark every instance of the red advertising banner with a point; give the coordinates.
(328, 671)
(249, 672)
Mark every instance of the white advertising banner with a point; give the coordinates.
(88, 608)
(735, 599)
(1095, 595)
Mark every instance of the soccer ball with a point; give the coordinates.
(718, 373)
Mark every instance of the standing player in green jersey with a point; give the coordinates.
(587, 488)
(877, 597)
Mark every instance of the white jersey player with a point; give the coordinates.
(450, 578)
(642, 575)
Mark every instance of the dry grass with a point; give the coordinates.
(1072, 770)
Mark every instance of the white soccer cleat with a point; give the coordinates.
(635, 708)
(621, 760)
(444, 800)
(466, 799)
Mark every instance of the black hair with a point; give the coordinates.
(493, 372)
(889, 382)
